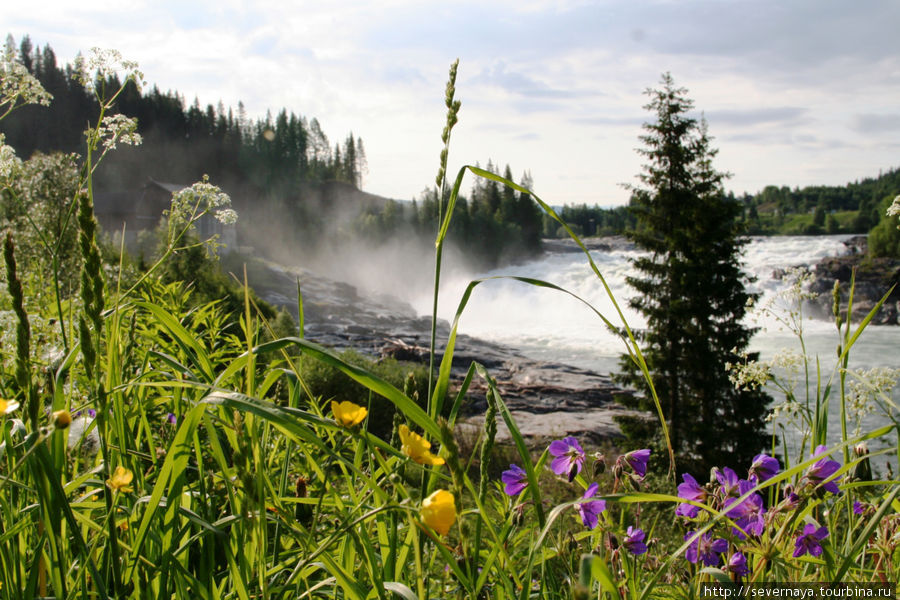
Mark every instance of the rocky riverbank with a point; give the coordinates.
(874, 278)
(548, 400)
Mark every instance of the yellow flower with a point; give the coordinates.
(417, 448)
(439, 511)
(120, 480)
(347, 413)
(7, 406)
(61, 419)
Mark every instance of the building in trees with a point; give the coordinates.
(690, 288)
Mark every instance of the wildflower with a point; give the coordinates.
(439, 511)
(791, 500)
(690, 490)
(634, 540)
(764, 467)
(729, 480)
(568, 457)
(515, 479)
(118, 128)
(704, 549)
(751, 512)
(858, 507)
(7, 406)
(120, 480)
(590, 509)
(894, 209)
(637, 460)
(737, 564)
(347, 413)
(61, 419)
(808, 540)
(417, 448)
(171, 419)
(822, 470)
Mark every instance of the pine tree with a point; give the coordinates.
(691, 290)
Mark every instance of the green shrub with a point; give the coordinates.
(326, 383)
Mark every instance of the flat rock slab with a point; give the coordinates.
(548, 400)
(591, 426)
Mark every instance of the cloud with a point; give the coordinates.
(876, 123)
(518, 83)
(752, 117)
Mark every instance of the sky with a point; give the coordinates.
(796, 93)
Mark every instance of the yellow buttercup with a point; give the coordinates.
(439, 511)
(347, 413)
(418, 448)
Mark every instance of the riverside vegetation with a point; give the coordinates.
(157, 448)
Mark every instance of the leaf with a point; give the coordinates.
(400, 589)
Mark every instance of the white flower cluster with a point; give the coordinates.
(189, 204)
(118, 128)
(18, 85)
(9, 162)
(226, 216)
(894, 209)
(866, 387)
(749, 374)
(104, 63)
(789, 410)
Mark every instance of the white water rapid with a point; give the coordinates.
(548, 325)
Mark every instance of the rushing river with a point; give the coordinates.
(549, 325)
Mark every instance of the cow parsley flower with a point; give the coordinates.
(118, 128)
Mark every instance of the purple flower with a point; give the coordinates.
(791, 500)
(568, 457)
(171, 419)
(858, 507)
(737, 564)
(515, 479)
(590, 509)
(822, 470)
(637, 460)
(764, 467)
(690, 490)
(634, 540)
(750, 513)
(808, 540)
(729, 480)
(705, 549)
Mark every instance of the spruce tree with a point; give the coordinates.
(691, 290)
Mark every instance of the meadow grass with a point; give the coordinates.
(153, 448)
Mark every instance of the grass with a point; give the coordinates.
(213, 469)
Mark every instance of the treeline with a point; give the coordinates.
(493, 223)
(858, 207)
(181, 143)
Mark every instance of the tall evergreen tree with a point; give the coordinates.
(691, 290)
